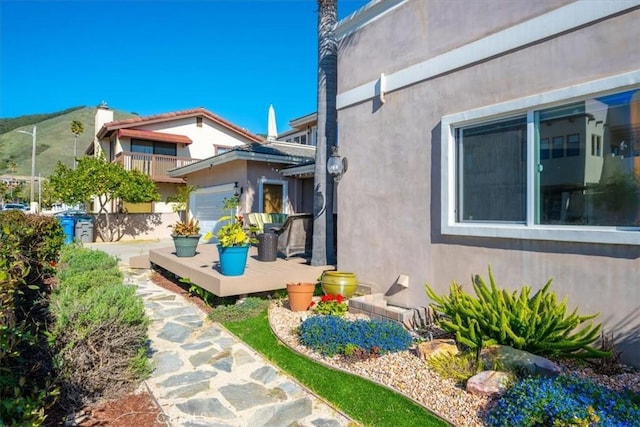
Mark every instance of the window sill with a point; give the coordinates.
(563, 233)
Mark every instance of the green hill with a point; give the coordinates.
(54, 141)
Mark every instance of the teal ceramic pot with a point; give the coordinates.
(339, 283)
(186, 245)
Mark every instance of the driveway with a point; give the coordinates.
(130, 248)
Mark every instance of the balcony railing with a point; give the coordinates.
(153, 165)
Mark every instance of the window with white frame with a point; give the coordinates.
(221, 149)
(531, 174)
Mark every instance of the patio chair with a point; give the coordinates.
(295, 237)
(259, 219)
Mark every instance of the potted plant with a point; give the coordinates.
(233, 240)
(180, 200)
(300, 295)
(186, 235)
(339, 283)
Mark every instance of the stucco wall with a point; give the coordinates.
(140, 226)
(248, 174)
(389, 200)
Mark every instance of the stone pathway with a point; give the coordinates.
(204, 376)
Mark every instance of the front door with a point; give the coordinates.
(273, 195)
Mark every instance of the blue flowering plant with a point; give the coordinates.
(564, 401)
(331, 335)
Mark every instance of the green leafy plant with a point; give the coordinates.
(29, 250)
(458, 367)
(206, 296)
(330, 305)
(538, 324)
(103, 181)
(181, 198)
(233, 232)
(186, 228)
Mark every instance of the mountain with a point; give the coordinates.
(54, 140)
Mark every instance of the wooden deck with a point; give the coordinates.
(259, 276)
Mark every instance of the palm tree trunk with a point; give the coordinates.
(324, 245)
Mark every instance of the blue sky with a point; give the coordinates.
(155, 56)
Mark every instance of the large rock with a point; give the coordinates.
(500, 357)
(428, 349)
(488, 383)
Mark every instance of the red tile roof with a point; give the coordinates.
(137, 121)
(154, 136)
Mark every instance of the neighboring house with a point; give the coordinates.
(504, 134)
(304, 130)
(269, 177)
(156, 144)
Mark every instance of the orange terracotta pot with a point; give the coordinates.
(300, 295)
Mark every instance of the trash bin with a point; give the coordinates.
(267, 246)
(67, 222)
(84, 228)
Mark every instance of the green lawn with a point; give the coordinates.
(363, 400)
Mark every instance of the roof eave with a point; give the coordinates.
(231, 156)
(166, 117)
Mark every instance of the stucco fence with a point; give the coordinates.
(134, 226)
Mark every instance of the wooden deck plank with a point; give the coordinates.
(259, 276)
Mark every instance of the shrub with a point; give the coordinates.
(29, 248)
(38, 240)
(332, 335)
(82, 281)
(537, 324)
(74, 260)
(564, 401)
(458, 367)
(99, 330)
(243, 309)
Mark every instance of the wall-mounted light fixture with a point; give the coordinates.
(336, 165)
(237, 189)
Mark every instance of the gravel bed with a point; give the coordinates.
(407, 374)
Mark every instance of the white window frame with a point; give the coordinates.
(285, 192)
(530, 230)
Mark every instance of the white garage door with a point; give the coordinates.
(205, 205)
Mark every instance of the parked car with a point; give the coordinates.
(16, 206)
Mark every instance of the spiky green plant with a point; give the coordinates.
(538, 324)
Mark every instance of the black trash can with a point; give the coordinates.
(267, 246)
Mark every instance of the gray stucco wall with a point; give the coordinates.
(389, 200)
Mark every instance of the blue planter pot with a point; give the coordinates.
(233, 259)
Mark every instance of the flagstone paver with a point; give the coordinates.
(204, 376)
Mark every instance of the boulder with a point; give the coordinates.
(428, 349)
(500, 357)
(489, 383)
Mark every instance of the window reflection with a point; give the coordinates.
(598, 184)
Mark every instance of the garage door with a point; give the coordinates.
(205, 205)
